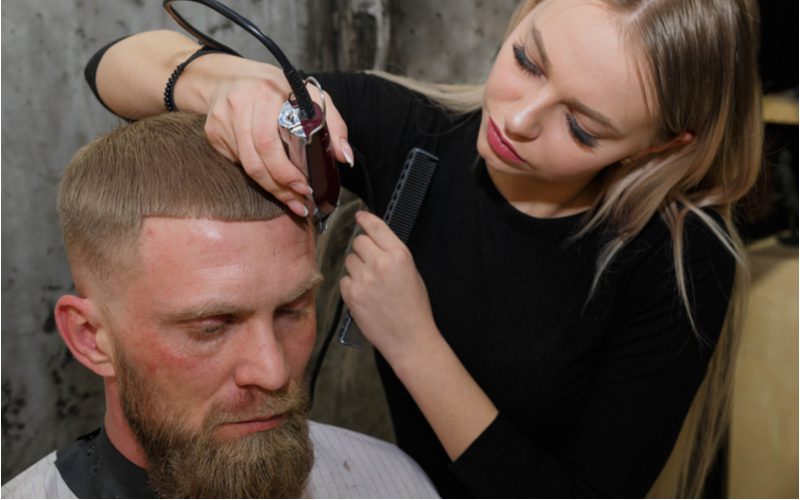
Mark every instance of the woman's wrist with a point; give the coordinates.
(196, 88)
(424, 347)
(453, 404)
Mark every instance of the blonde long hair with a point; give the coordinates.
(701, 60)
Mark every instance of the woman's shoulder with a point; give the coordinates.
(704, 240)
(349, 464)
(364, 85)
(706, 226)
(653, 286)
(368, 93)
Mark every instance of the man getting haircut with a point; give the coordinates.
(195, 303)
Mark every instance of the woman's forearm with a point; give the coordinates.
(133, 72)
(241, 98)
(389, 301)
(452, 402)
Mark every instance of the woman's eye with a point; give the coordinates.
(525, 62)
(580, 135)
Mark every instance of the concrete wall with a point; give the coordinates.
(48, 112)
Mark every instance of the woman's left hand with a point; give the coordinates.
(388, 300)
(384, 291)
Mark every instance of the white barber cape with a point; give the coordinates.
(346, 465)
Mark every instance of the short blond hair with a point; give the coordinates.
(161, 166)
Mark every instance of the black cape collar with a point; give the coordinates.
(93, 468)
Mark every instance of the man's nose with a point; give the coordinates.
(261, 360)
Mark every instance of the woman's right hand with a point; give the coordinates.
(242, 124)
(241, 97)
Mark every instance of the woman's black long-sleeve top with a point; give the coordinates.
(591, 391)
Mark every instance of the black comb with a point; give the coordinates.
(401, 213)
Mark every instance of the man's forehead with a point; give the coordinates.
(209, 241)
(199, 261)
(281, 227)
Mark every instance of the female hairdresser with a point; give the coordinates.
(567, 293)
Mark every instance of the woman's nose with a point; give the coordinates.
(524, 121)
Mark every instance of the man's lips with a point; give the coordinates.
(250, 425)
(500, 146)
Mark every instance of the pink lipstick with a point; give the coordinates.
(500, 145)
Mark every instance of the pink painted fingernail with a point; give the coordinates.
(297, 208)
(348, 152)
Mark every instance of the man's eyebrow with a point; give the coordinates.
(307, 285)
(213, 309)
(200, 311)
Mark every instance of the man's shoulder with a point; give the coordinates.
(354, 465)
(341, 439)
(40, 480)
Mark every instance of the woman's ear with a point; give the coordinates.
(82, 329)
(681, 139)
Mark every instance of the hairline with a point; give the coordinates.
(126, 256)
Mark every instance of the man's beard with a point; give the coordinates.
(274, 463)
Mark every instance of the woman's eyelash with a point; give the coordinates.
(579, 134)
(532, 68)
(524, 61)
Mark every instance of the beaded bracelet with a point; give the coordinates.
(169, 99)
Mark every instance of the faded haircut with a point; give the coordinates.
(161, 166)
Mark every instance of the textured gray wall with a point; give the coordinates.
(48, 112)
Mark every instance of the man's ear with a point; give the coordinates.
(82, 329)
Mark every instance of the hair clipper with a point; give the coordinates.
(301, 123)
(307, 144)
